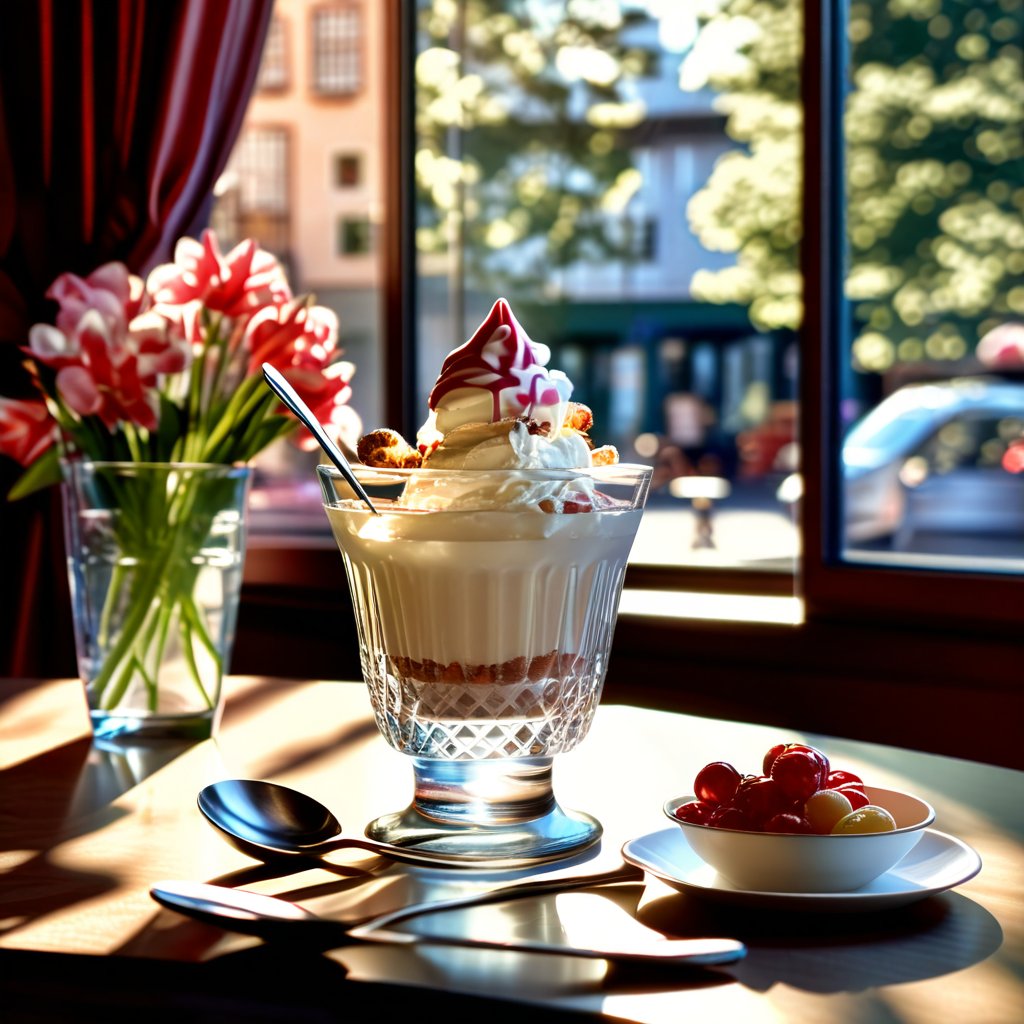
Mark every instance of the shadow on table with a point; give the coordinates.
(266, 984)
(852, 952)
(56, 796)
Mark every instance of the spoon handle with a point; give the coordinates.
(280, 386)
(696, 952)
(512, 891)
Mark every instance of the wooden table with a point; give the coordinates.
(86, 832)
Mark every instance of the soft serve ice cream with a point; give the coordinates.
(492, 579)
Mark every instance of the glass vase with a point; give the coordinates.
(155, 554)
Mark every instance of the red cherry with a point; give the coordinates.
(791, 824)
(797, 774)
(730, 818)
(855, 794)
(841, 778)
(769, 758)
(696, 812)
(818, 755)
(759, 799)
(716, 783)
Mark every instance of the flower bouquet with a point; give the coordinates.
(152, 404)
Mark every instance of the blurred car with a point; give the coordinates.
(942, 457)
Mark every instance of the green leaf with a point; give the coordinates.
(170, 428)
(44, 472)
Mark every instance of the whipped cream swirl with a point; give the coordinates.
(500, 373)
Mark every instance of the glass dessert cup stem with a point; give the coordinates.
(500, 809)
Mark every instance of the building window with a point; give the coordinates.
(261, 163)
(253, 194)
(348, 170)
(355, 236)
(337, 50)
(273, 75)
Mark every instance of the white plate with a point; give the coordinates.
(938, 862)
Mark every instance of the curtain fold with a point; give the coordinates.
(116, 117)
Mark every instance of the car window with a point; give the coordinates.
(971, 442)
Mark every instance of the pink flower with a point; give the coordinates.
(326, 392)
(26, 429)
(235, 285)
(111, 290)
(110, 373)
(294, 334)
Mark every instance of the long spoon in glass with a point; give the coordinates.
(277, 383)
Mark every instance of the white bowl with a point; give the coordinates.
(774, 862)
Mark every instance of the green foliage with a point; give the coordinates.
(518, 121)
(934, 148)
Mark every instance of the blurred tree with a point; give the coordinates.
(519, 105)
(934, 147)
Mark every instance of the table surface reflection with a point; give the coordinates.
(87, 831)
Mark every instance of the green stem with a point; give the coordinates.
(113, 590)
(148, 583)
(246, 399)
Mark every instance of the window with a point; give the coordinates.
(575, 159)
(933, 266)
(337, 50)
(254, 191)
(273, 75)
(355, 236)
(280, 187)
(725, 361)
(348, 170)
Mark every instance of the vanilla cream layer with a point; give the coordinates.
(484, 587)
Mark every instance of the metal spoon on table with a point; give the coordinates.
(277, 383)
(270, 917)
(267, 821)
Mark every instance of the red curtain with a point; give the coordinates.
(116, 117)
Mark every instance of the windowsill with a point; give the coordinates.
(693, 605)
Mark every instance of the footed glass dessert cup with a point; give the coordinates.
(485, 602)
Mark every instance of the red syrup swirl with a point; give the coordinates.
(500, 358)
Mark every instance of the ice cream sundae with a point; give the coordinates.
(489, 612)
(486, 591)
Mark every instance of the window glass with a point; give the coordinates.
(337, 45)
(932, 380)
(253, 193)
(348, 170)
(355, 236)
(627, 174)
(273, 72)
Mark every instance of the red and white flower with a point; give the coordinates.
(247, 279)
(26, 429)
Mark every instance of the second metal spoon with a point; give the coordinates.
(270, 917)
